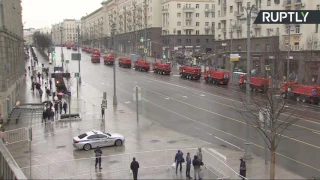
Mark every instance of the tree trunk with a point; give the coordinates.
(273, 162)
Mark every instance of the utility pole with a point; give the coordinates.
(78, 32)
(146, 26)
(113, 30)
(289, 48)
(62, 56)
(103, 107)
(231, 63)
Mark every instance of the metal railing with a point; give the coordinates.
(9, 169)
(121, 162)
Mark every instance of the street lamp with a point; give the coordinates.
(289, 48)
(174, 42)
(247, 18)
(113, 30)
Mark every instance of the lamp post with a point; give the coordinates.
(62, 55)
(289, 48)
(249, 10)
(232, 23)
(113, 30)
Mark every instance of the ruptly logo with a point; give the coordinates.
(288, 17)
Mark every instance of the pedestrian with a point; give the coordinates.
(39, 75)
(32, 86)
(29, 68)
(52, 115)
(40, 93)
(45, 85)
(98, 154)
(50, 83)
(48, 93)
(179, 160)
(65, 106)
(44, 116)
(199, 154)
(2, 135)
(31, 78)
(188, 166)
(60, 107)
(243, 168)
(134, 168)
(196, 166)
(102, 111)
(56, 108)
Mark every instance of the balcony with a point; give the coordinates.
(238, 1)
(287, 3)
(188, 18)
(238, 13)
(165, 10)
(223, 30)
(188, 26)
(207, 27)
(256, 26)
(207, 10)
(188, 9)
(237, 27)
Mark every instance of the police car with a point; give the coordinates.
(94, 138)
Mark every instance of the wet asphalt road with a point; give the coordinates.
(205, 111)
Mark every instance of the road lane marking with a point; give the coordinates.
(229, 143)
(185, 96)
(217, 153)
(127, 102)
(202, 95)
(176, 75)
(167, 98)
(316, 132)
(209, 134)
(198, 129)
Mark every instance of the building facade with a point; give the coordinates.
(93, 29)
(12, 55)
(66, 31)
(28, 36)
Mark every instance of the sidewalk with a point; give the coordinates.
(52, 143)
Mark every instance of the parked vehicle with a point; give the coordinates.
(161, 68)
(74, 48)
(256, 83)
(95, 58)
(141, 65)
(188, 72)
(69, 46)
(92, 139)
(216, 77)
(300, 92)
(125, 62)
(83, 48)
(89, 50)
(108, 59)
(96, 51)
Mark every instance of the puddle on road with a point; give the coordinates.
(154, 141)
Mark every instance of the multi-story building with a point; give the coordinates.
(12, 55)
(28, 36)
(188, 25)
(134, 19)
(66, 31)
(92, 29)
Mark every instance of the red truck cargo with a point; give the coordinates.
(89, 50)
(141, 65)
(300, 92)
(83, 48)
(95, 58)
(188, 72)
(108, 59)
(216, 77)
(125, 62)
(69, 46)
(96, 51)
(256, 83)
(74, 48)
(160, 68)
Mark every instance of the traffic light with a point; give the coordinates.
(164, 56)
(142, 39)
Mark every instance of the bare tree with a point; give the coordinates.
(180, 58)
(265, 110)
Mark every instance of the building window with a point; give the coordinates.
(197, 14)
(239, 47)
(178, 14)
(197, 5)
(298, 29)
(206, 14)
(219, 25)
(269, 3)
(296, 46)
(207, 40)
(258, 48)
(198, 41)
(207, 6)
(231, 9)
(219, 14)
(179, 32)
(268, 47)
(178, 23)
(179, 41)
(197, 32)
(207, 23)
(219, 2)
(197, 23)
(178, 5)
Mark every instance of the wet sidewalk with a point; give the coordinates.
(53, 155)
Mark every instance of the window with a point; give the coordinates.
(197, 23)
(82, 136)
(1, 15)
(207, 40)
(178, 23)
(178, 14)
(268, 47)
(269, 3)
(198, 41)
(197, 5)
(239, 47)
(93, 137)
(219, 14)
(231, 9)
(207, 6)
(206, 14)
(178, 5)
(219, 25)
(258, 48)
(219, 2)
(102, 136)
(179, 32)
(197, 32)
(296, 46)
(298, 29)
(207, 23)
(197, 14)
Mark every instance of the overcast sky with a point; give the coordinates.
(44, 13)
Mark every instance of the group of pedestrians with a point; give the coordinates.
(196, 162)
(2, 134)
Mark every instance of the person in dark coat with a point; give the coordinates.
(60, 108)
(65, 106)
(40, 93)
(39, 75)
(52, 115)
(188, 166)
(32, 86)
(50, 83)
(31, 78)
(44, 115)
(178, 159)
(98, 154)
(243, 168)
(196, 167)
(56, 108)
(134, 168)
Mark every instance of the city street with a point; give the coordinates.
(204, 111)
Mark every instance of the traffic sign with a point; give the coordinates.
(77, 75)
(76, 56)
(67, 61)
(135, 88)
(134, 97)
(234, 57)
(267, 67)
